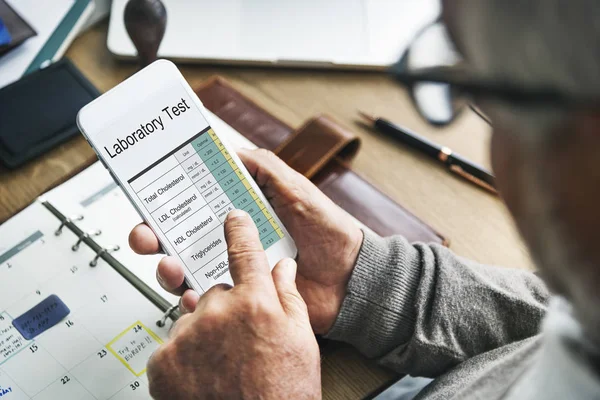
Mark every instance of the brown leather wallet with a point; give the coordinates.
(321, 150)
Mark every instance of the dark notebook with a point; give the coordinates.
(38, 111)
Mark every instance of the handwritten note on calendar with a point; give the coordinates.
(67, 330)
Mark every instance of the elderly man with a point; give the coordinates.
(478, 331)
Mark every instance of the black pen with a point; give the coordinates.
(457, 164)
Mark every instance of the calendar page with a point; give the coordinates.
(68, 330)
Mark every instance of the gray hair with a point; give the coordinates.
(535, 43)
(539, 42)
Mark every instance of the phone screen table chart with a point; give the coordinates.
(189, 193)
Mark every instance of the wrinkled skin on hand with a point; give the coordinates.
(253, 340)
(328, 240)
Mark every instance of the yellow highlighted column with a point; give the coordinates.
(219, 144)
(260, 204)
(253, 194)
(273, 224)
(239, 174)
(267, 213)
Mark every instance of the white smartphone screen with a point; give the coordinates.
(184, 181)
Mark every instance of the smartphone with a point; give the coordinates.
(152, 134)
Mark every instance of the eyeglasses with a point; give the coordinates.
(432, 61)
(470, 85)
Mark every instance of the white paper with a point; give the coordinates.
(99, 350)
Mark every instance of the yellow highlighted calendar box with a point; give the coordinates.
(134, 346)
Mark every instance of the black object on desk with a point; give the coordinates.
(39, 111)
(145, 22)
(454, 162)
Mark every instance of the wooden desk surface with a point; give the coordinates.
(476, 222)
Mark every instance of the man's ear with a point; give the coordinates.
(506, 154)
(572, 174)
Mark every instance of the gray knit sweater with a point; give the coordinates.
(477, 330)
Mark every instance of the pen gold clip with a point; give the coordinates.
(444, 154)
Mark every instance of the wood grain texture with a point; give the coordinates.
(476, 222)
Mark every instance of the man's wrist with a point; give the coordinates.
(331, 303)
(380, 295)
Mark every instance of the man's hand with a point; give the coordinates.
(250, 341)
(328, 240)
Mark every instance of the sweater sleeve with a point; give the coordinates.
(422, 310)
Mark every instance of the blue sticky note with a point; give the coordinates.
(42, 317)
(5, 37)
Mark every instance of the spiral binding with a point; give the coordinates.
(102, 251)
(75, 247)
(169, 310)
(66, 221)
(163, 321)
